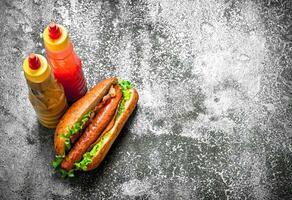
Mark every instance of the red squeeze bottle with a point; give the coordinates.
(64, 61)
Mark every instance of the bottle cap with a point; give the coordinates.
(34, 61)
(56, 37)
(36, 68)
(54, 31)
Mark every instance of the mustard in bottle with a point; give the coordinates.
(45, 93)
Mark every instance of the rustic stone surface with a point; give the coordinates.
(214, 120)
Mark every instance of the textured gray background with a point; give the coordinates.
(214, 116)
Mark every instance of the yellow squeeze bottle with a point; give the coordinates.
(45, 93)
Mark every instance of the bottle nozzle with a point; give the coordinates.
(54, 31)
(34, 62)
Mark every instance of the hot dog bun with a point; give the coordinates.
(114, 131)
(78, 109)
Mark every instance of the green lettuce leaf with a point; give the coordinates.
(65, 173)
(87, 157)
(56, 164)
(74, 129)
(125, 87)
(57, 161)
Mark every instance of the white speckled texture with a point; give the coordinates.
(214, 115)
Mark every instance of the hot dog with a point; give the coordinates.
(88, 129)
(92, 132)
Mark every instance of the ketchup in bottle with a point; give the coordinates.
(45, 93)
(64, 61)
